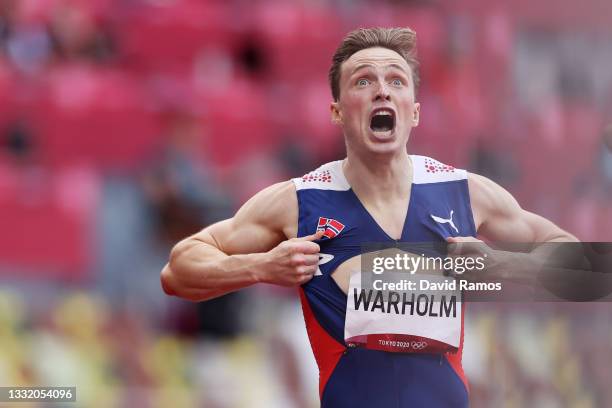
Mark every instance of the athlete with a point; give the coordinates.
(302, 232)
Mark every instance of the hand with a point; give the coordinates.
(471, 249)
(292, 262)
(467, 246)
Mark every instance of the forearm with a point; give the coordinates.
(552, 254)
(199, 271)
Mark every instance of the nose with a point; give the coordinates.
(382, 92)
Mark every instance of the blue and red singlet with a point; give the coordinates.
(359, 377)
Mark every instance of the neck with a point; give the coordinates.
(381, 176)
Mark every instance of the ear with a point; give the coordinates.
(336, 115)
(416, 116)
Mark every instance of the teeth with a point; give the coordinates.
(384, 112)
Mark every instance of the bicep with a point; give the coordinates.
(520, 225)
(259, 225)
(501, 218)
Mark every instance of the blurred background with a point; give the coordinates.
(126, 125)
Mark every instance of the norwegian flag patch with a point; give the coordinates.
(330, 227)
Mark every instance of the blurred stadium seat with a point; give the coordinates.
(48, 223)
(96, 116)
(167, 36)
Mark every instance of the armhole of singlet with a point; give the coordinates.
(469, 204)
(299, 233)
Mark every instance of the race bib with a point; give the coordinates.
(422, 317)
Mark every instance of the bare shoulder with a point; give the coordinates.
(275, 206)
(489, 199)
(498, 216)
(264, 221)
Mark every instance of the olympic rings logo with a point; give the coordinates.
(418, 345)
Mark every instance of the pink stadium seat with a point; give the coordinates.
(168, 37)
(48, 227)
(430, 27)
(238, 123)
(95, 116)
(301, 39)
(313, 117)
(7, 95)
(30, 11)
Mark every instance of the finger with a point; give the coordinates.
(310, 259)
(462, 239)
(454, 245)
(306, 247)
(299, 259)
(304, 279)
(456, 240)
(307, 269)
(454, 248)
(464, 245)
(312, 237)
(461, 249)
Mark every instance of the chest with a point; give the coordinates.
(430, 214)
(390, 215)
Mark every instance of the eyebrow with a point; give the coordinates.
(361, 66)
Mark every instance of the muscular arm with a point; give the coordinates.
(500, 218)
(243, 250)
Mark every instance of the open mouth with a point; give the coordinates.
(382, 120)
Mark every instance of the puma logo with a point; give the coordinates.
(449, 221)
(323, 259)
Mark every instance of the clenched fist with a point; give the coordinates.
(292, 262)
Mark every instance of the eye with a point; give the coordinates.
(397, 82)
(363, 82)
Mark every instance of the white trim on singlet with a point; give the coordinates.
(428, 170)
(425, 170)
(327, 177)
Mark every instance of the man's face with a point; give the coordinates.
(376, 107)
